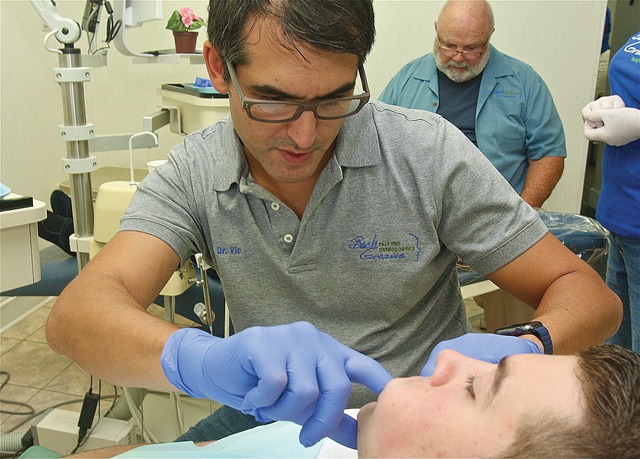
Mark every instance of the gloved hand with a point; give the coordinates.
(482, 346)
(603, 103)
(289, 372)
(608, 120)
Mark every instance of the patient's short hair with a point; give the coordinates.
(610, 377)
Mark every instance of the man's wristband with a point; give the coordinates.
(534, 328)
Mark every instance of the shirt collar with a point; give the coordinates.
(497, 67)
(229, 164)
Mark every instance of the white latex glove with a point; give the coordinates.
(603, 103)
(608, 120)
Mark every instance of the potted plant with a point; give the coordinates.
(184, 24)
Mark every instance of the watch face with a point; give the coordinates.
(525, 328)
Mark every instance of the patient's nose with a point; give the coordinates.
(446, 367)
(451, 364)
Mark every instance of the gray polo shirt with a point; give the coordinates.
(372, 261)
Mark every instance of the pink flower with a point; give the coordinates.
(187, 16)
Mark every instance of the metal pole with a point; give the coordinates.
(73, 104)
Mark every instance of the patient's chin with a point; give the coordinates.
(364, 418)
(366, 411)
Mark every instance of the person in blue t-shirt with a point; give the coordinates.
(500, 103)
(615, 120)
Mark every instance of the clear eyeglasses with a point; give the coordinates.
(452, 52)
(275, 111)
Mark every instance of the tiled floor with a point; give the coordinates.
(41, 378)
(38, 377)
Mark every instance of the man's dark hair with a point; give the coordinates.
(341, 26)
(610, 427)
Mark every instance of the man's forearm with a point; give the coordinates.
(570, 298)
(98, 324)
(579, 310)
(542, 177)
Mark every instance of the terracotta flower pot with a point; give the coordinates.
(185, 42)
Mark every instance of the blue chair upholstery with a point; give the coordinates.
(582, 235)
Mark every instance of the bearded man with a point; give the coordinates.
(500, 103)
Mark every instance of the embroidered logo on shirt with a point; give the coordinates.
(233, 250)
(377, 249)
(633, 47)
(506, 93)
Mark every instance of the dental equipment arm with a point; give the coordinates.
(206, 312)
(67, 30)
(289, 372)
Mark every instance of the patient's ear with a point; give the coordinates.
(215, 67)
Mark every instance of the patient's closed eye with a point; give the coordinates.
(469, 387)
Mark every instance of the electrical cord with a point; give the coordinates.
(138, 417)
(35, 415)
(85, 432)
(92, 24)
(113, 403)
(87, 414)
(112, 27)
(57, 405)
(30, 409)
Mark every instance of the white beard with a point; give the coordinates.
(460, 76)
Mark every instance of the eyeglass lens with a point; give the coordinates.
(450, 52)
(284, 111)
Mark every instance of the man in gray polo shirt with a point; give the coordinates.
(316, 206)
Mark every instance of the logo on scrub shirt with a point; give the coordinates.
(506, 93)
(633, 48)
(375, 248)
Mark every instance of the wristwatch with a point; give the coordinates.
(534, 328)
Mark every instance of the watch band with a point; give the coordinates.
(534, 328)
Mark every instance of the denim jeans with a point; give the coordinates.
(221, 423)
(623, 277)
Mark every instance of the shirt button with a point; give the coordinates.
(288, 238)
(275, 206)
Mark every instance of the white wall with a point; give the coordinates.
(559, 38)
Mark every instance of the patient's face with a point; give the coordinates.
(468, 408)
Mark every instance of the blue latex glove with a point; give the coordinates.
(289, 372)
(482, 346)
(202, 83)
